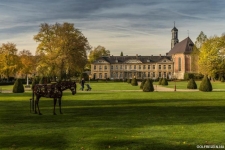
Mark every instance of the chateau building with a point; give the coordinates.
(174, 64)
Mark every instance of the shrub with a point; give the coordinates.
(18, 86)
(192, 84)
(142, 84)
(128, 80)
(134, 82)
(160, 81)
(148, 86)
(164, 81)
(205, 85)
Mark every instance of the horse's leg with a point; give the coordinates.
(55, 100)
(37, 101)
(35, 105)
(60, 99)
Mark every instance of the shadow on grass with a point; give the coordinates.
(48, 141)
(143, 144)
(119, 113)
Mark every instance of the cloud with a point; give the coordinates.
(118, 25)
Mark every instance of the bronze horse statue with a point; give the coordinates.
(54, 91)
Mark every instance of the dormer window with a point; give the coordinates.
(148, 60)
(116, 61)
(164, 60)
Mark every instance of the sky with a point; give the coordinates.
(133, 27)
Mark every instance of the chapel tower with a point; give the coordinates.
(174, 39)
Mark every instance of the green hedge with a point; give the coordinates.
(134, 82)
(192, 84)
(18, 86)
(205, 85)
(148, 86)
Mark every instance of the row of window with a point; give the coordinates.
(130, 75)
(134, 67)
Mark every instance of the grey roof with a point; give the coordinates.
(143, 59)
(174, 29)
(184, 47)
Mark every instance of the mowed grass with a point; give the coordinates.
(114, 116)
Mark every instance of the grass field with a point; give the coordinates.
(114, 116)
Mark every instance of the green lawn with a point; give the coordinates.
(107, 118)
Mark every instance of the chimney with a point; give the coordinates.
(159, 55)
(136, 55)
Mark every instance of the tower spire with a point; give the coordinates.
(174, 39)
(188, 33)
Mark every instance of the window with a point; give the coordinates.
(159, 66)
(100, 67)
(164, 74)
(179, 64)
(169, 66)
(134, 66)
(164, 66)
(105, 75)
(144, 67)
(153, 74)
(121, 67)
(100, 75)
(148, 67)
(112, 67)
(116, 67)
(160, 75)
(94, 67)
(105, 67)
(153, 67)
(125, 67)
(148, 74)
(139, 74)
(130, 67)
(121, 75)
(139, 66)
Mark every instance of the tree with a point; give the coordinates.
(142, 84)
(9, 61)
(27, 62)
(202, 38)
(192, 84)
(160, 81)
(148, 86)
(164, 81)
(134, 82)
(96, 53)
(211, 58)
(18, 86)
(121, 54)
(205, 85)
(62, 49)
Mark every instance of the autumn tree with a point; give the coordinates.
(27, 62)
(196, 51)
(96, 53)
(202, 38)
(10, 62)
(211, 57)
(62, 49)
